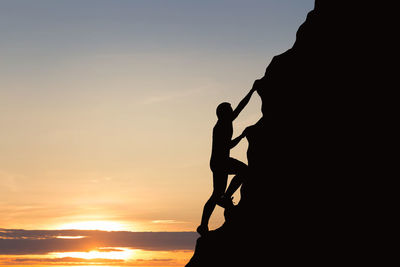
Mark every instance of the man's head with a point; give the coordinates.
(224, 111)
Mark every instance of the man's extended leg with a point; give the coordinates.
(219, 182)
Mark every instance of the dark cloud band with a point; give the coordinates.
(38, 242)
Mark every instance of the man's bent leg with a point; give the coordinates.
(239, 168)
(236, 182)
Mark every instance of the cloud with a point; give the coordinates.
(40, 242)
(72, 261)
(63, 260)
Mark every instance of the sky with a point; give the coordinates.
(107, 109)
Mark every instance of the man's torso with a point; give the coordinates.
(222, 135)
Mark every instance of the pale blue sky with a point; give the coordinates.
(107, 107)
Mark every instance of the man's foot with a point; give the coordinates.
(202, 229)
(225, 202)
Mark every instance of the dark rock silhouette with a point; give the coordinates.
(308, 158)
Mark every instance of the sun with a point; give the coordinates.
(95, 225)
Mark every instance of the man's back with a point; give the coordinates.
(222, 135)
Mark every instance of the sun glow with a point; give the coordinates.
(102, 253)
(94, 225)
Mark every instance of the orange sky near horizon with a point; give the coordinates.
(94, 247)
(94, 258)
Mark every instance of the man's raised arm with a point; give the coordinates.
(236, 141)
(245, 100)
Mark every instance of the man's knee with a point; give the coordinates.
(238, 166)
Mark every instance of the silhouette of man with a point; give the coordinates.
(221, 163)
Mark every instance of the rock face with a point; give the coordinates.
(307, 156)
